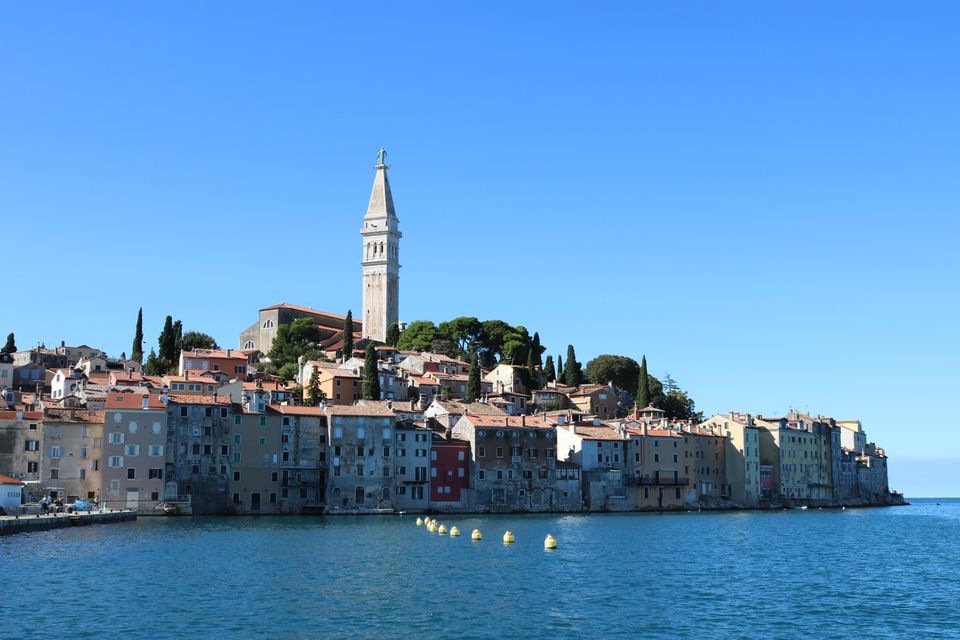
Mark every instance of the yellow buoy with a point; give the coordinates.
(419, 522)
(442, 530)
(508, 537)
(550, 542)
(454, 531)
(433, 526)
(476, 535)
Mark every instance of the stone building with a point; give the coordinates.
(203, 446)
(381, 258)
(72, 442)
(259, 336)
(411, 462)
(304, 459)
(361, 445)
(513, 462)
(20, 447)
(134, 450)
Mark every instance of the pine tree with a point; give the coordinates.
(532, 374)
(473, 380)
(643, 386)
(572, 373)
(168, 345)
(11, 345)
(562, 376)
(393, 335)
(548, 371)
(347, 347)
(137, 353)
(371, 376)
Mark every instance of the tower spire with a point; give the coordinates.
(381, 257)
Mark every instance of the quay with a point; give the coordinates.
(40, 522)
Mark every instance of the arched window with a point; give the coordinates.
(249, 345)
(359, 495)
(268, 324)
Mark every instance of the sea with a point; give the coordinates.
(857, 573)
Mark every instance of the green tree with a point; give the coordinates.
(620, 370)
(537, 350)
(177, 340)
(679, 406)
(548, 371)
(393, 335)
(473, 380)
(445, 393)
(168, 346)
(10, 346)
(643, 385)
(315, 394)
(197, 340)
(572, 372)
(516, 345)
(288, 371)
(153, 366)
(371, 376)
(562, 376)
(348, 335)
(137, 353)
(418, 336)
(463, 333)
(299, 338)
(533, 375)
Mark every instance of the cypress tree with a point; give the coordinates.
(314, 394)
(536, 348)
(532, 374)
(572, 373)
(168, 344)
(393, 335)
(643, 386)
(473, 380)
(347, 347)
(137, 353)
(10, 346)
(562, 376)
(371, 376)
(177, 339)
(548, 371)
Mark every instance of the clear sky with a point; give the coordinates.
(761, 197)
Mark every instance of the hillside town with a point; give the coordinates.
(351, 419)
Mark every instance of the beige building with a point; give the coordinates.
(381, 258)
(597, 400)
(661, 460)
(134, 450)
(741, 456)
(254, 482)
(20, 447)
(71, 442)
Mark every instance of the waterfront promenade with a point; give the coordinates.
(40, 522)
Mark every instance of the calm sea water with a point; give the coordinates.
(873, 573)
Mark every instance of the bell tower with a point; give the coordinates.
(381, 257)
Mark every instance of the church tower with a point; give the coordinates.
(381, 258)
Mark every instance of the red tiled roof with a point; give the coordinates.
(9, 480)
(589, 432)
(176, 398)
(356, 410)
(291, 410)
(492, 422)
(133, 401)
(27, 415)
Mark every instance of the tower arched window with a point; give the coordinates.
(268, 324)
(248, 344)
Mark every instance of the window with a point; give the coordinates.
(236, 456)
(433, 455)
(156, 474)
(499, 452)
(54, 474)
(236, 476)
(115, 461)
(183, 412)
(263, 421)
(263, 441)
(114, 485)
(236, 438)
(656, 457)
(481, 452)
(116, 437)
(132, 450)
(338, 432)
(33, 445)
(133, 427)
(33, 467)
(224, 449)
(131, 474)
(236, 419)
(481, 474)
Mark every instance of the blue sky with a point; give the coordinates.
(760, 197)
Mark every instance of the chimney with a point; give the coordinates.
(229, 351)
(523, 420)
(186, 374)
(130, 373)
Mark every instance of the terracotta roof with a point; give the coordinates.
(492, 422)
(268, 385)
(296, 307)
(354, 410)
(27, 415)
(133, 401)
(291, 410)
(235, 354)
(176, 398)
(420, 382)
(9, 480)
(589, 432)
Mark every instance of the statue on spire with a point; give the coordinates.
(381, 156)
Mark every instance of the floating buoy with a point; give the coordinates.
(454, 531)
(508, 537)
(419, 522)
(442, 530)
(476, 536)
(550, 543)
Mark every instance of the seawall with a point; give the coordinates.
(25, 523)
